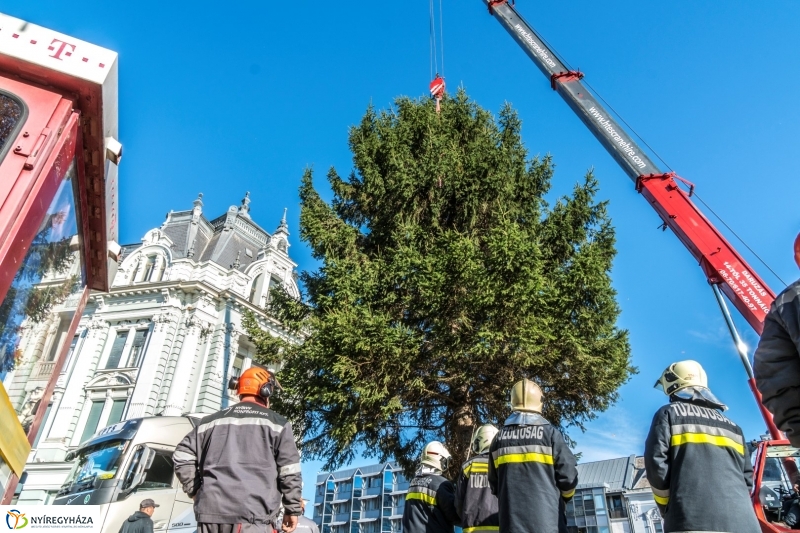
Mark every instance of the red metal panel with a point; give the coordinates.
(35, 205)
(720, 262)
(41, 104)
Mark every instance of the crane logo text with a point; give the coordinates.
(606, 124)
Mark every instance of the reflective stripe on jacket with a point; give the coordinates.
(240, 464)
(475, 503)
(698, 466)
(532, 471)
(430, 505)
(777, 362)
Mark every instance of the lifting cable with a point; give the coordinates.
(436, 53)
(653, 151)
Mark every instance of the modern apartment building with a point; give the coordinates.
(368, 499)
(612, 496)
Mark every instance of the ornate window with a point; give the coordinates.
(149, 268)
(137, 348)
(254, 293)
(117, 348)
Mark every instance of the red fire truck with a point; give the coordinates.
(59, 154)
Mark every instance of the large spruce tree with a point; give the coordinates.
(445, 277)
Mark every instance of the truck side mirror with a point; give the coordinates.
(140, 469)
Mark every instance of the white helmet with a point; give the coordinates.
(483, 438)
(434, 454)
(526, 396)
(680, 375)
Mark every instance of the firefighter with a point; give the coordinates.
(697, 460)
(531, 469)
(241, 463)
(430, 501)
(777, 359)
(475, 503)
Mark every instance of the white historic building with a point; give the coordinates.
(164, 340)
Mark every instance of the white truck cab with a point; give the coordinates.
(125, 463)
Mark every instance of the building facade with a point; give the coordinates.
(613, 496)
(369, 499)
(164, 340)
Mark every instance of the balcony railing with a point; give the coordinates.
(43, 369)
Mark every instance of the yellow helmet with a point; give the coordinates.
(436, 455)
(483, 438)
(526, 396)
(680, 375)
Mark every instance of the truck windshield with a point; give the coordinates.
(94, 463)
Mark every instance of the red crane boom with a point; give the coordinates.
(670, 195)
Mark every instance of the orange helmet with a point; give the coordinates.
(255, 381)
(797, 250)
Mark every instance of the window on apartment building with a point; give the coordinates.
(616, 506)
(137, 347)
(398, 504)
(115, 415)
(373, 482)
(391, 526)
(370, 527)
(342, 508)
(588, 503)
(92, 420)
(371, 504)
(657, 527)
(116, 349)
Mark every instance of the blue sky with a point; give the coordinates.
(223, 99)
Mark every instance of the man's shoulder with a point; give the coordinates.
(787, 295)
(244, 413)
(254, 410)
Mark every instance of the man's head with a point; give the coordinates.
(797, 250)
(256, 384)
(526, 396)
(148, 507)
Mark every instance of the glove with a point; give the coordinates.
(791, 517)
